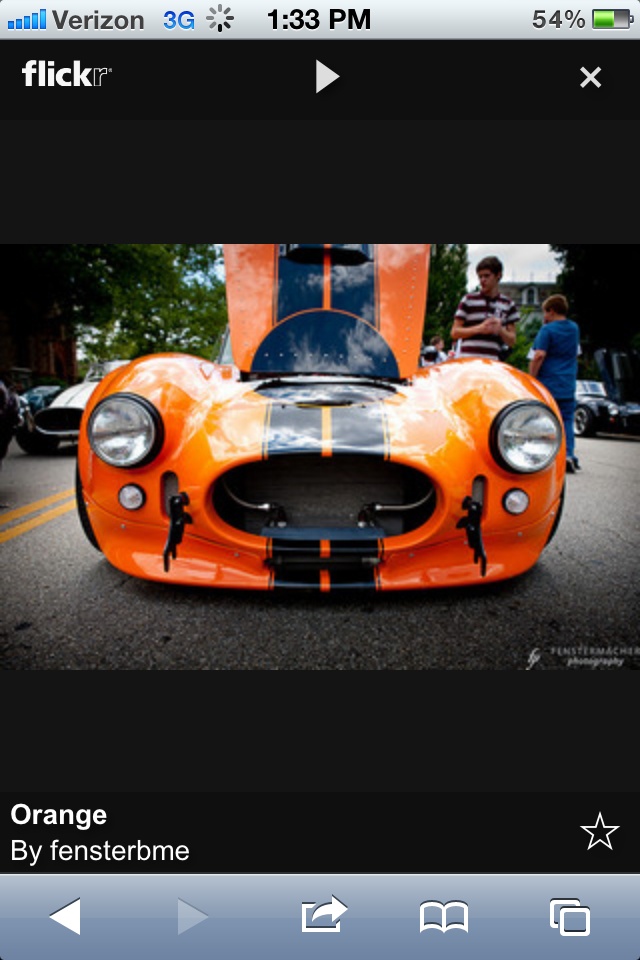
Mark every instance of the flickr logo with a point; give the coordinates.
(48, 76)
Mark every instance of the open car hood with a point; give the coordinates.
(353, 309)
(620, 371)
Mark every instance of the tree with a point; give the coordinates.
(119, 299)
(527, 331)
(598, 280)
(447, 286)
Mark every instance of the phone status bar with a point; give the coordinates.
(262, 20)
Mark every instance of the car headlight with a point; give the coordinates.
(526, 437)
(613, 410)
(125, 431)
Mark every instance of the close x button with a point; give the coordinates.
(590, 77)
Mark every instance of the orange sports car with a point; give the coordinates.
(316, 453)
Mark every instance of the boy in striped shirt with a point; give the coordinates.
(485, 320)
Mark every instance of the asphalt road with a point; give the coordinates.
(64, 607)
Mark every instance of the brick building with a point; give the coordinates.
(31, 352)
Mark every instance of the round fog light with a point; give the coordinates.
(131, 497)
(516, 502)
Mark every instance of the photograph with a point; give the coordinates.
(276, 457)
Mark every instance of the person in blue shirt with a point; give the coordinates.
(555, 364)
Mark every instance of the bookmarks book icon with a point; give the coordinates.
(435, 915)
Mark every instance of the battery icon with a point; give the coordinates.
(612, 19)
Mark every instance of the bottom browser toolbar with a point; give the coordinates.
(308, 917)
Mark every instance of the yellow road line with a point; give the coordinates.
(36, 521)
(33, 507)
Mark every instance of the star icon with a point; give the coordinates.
(602, 832)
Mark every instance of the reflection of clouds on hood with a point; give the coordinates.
(311, 281)
(293, 438)
(326, 342)
(341, 278)
(356, 349)
(362, 339)
(311, 357)
(300, 288)
(344, 279)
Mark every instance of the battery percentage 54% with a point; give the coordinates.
(541, 20)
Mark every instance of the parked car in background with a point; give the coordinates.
(620, 371)
(60, 420)
(595, 412)
(608, 405)
(31, 402)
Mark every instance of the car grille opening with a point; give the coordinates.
(332, 493)
(63, 420)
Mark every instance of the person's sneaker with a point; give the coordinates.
(576, 464)
(570, 466)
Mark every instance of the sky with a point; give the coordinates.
(522, 261)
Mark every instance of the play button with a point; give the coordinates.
(324, 76)
(69, 916)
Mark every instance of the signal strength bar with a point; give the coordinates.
(32, 21)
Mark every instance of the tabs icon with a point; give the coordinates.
(570, 918)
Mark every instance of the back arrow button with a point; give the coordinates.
(68, 916)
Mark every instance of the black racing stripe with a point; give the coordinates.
(355, 548)
(300, 287)
(360, 430)
(293, 429)
(297, 563)
(353, 290)
(282, 549)
(296, 580)
(349, 579)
